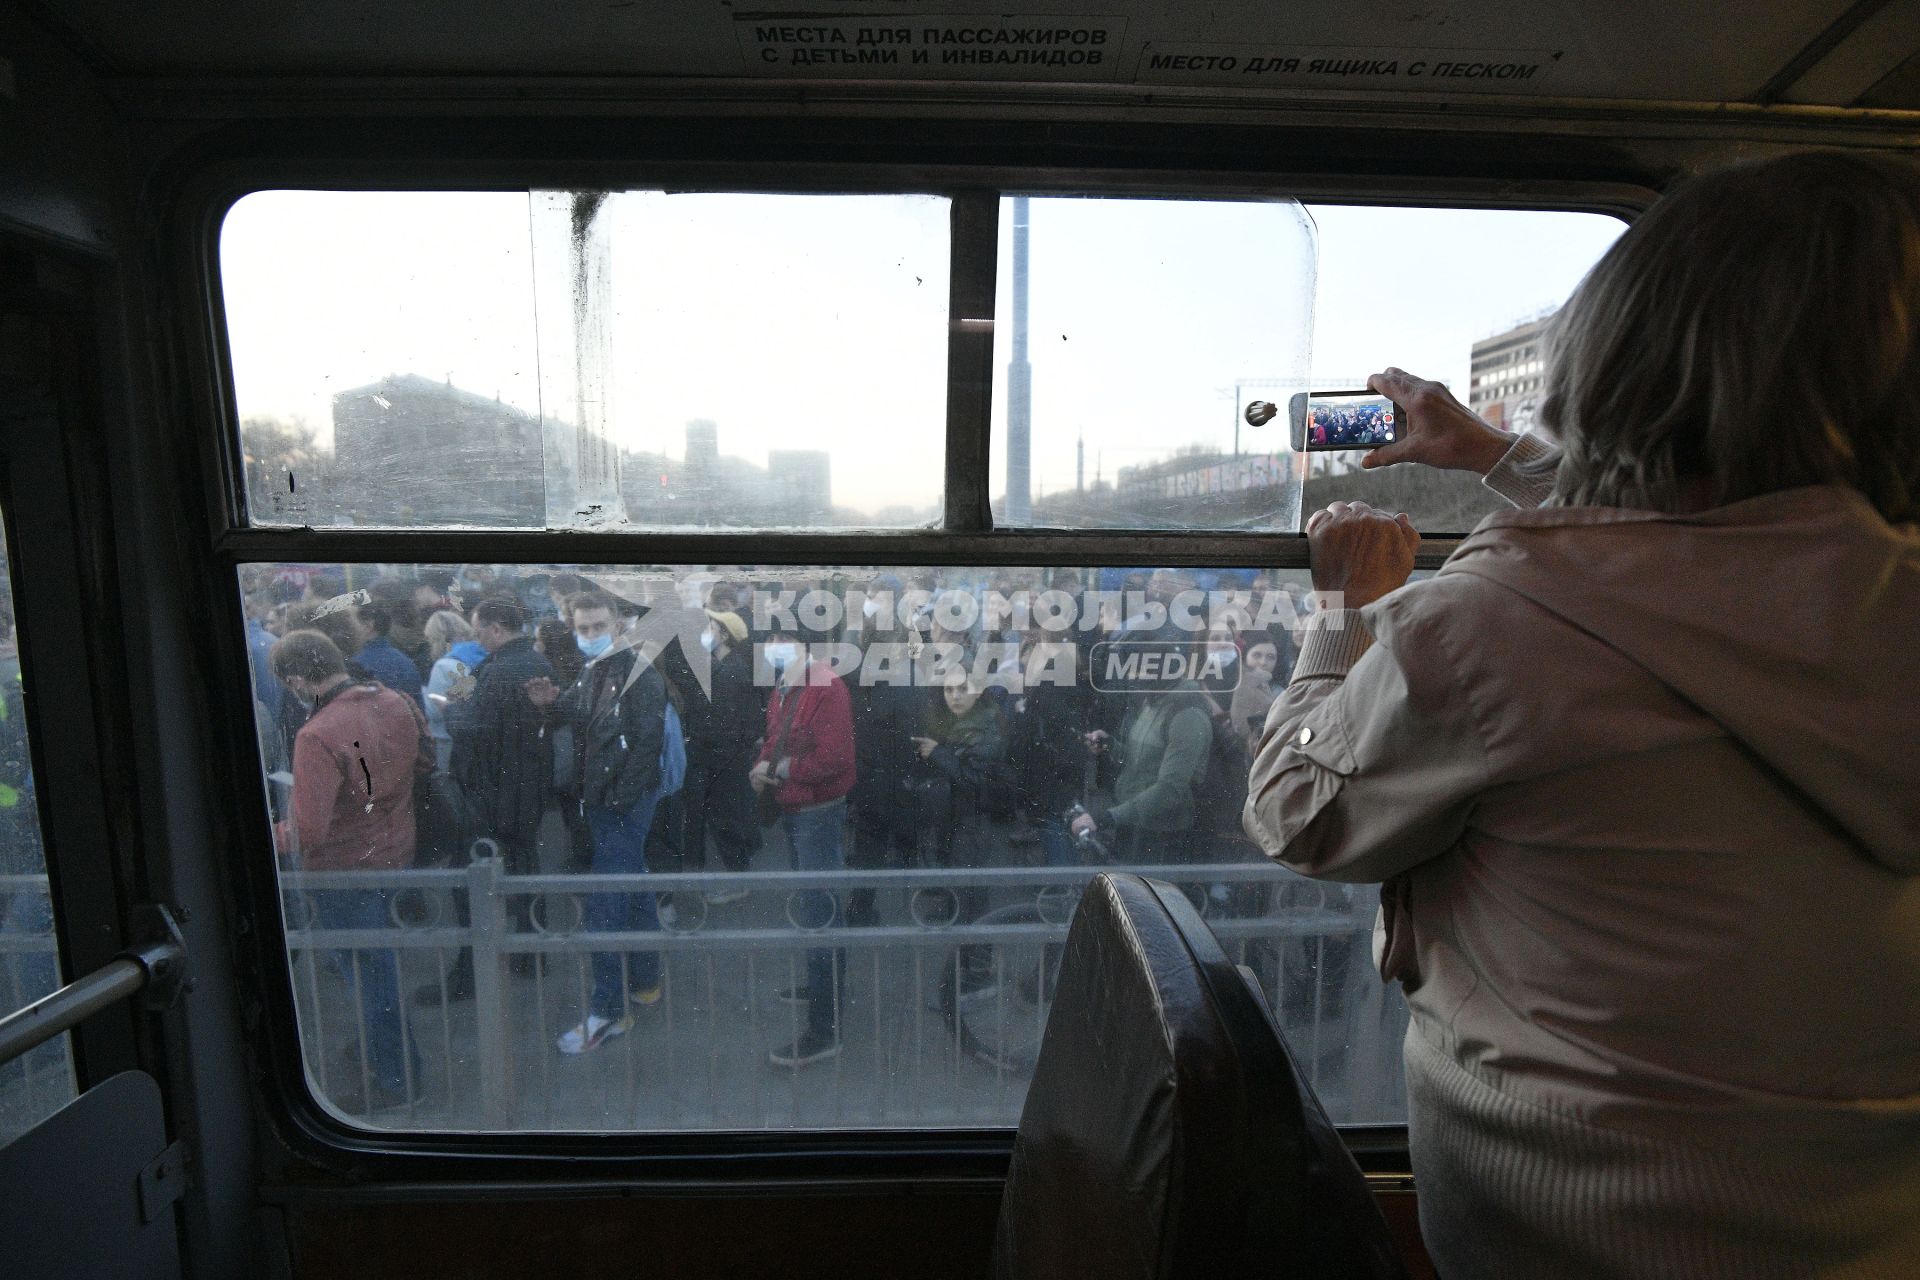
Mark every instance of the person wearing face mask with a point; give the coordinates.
(722, 731)
(807, 762)
(617, 711)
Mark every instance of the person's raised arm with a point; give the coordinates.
(1439, 431)
(1368, 760)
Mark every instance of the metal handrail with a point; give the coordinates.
(153, 966)
(68, 1007)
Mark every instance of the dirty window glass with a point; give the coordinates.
(1457, 295)
(1132, 335)
(604, 360)
(1128, 335)
(560, 913)
(35, 1085)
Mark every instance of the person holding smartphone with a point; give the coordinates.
(1651, 860)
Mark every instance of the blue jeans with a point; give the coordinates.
(620, 848)
(383, 1030)
(817, 841)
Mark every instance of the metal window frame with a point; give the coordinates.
(967, 535)
(189, 197)
(60, 561)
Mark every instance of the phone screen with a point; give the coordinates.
(1343, 420)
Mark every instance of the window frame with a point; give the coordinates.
(82, 775)
(200, 197)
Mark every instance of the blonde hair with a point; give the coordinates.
(1757, 330)
(444, 630)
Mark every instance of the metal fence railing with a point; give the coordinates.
(939, 1005)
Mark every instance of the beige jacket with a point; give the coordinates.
(1643, 789)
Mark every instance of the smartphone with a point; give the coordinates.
(1342, 420)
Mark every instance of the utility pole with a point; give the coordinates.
(1019, 384)
(1236, 422)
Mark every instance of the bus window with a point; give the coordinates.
(39, 1083)
(624, 360)
(748, 848)
(573, 847)
(1462, 296)
(1153, 324)
(1123, 329)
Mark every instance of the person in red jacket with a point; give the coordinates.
(807, 762)
(354, 766)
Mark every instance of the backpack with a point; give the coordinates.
(673, 747)
(673, 755)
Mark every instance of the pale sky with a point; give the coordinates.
(806, 322)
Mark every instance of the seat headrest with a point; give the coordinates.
(1166, 1132)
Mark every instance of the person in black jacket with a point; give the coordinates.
(553, 637)
(501, 759)
(886, 716)
(500, 762)
(1047, 745)
(963, 771)
(723, 733)
(617, 711)
(963, 775)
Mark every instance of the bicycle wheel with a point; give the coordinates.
(994, 996)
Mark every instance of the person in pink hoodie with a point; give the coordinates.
(1647, 827)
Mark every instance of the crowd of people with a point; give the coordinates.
(1336, 426)
(409, 717)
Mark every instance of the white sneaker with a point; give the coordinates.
(594, 1032)
(721, 897)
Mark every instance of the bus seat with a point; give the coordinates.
(1167, 1132)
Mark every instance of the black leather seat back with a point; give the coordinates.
(1166, 1132)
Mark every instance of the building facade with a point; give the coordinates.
(1509, 372)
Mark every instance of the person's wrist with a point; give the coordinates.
(1353, 595)
(1491, 446)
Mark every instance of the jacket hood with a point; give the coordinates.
(470, 652)
(1792, 620)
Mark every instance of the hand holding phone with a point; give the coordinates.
(1323, 420)
(1434, 428)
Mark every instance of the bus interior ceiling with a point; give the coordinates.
(122, 125)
